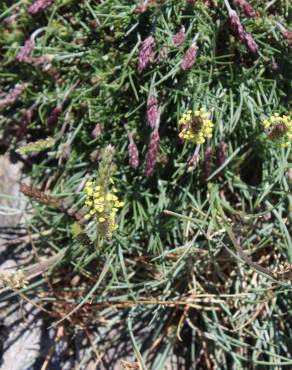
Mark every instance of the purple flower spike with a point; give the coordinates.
(153, 149)
(189, 58)
(13, 95)
(251, 45)
(146, 54)
(26, 50)
(221, 153)
(54, 115)
(133, 153)
(236, 25)
(247, 8)
(152, 111)
(207, 164)
(179, 38)
(288, 37)
(39, 5)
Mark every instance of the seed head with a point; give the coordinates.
(37, 146)
(13, 280)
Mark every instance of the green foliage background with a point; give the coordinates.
(168, 282)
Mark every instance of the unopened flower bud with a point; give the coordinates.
(193, 161)
(97, 131)
(141, 8)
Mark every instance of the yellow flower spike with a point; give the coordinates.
(279, 129)
(103, 206)
(89, 191)
(197, 127)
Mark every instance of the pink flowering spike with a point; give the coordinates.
(236, 25)
(288, 36)
(251, 45)
(146, 54)
(152, 111)
(207, 164)
(39, 5)
(221, 153)
(153, 149)
(247, 8)
(189, 58)
(191, 2)
(54, 115)
(25, 120)
(26, 50)
(133, 153)
(13, 95)
(179, 38)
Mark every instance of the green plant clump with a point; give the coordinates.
(194, 198)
